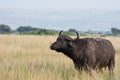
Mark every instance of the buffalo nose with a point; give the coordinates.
(52, 47)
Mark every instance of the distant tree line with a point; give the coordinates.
(115, 31)
(5, 29)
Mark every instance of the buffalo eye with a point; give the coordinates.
(59, 39)
(70, 46)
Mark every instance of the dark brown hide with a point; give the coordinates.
(86, 52)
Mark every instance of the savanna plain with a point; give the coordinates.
(28, 57)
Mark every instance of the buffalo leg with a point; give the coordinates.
(111, 70)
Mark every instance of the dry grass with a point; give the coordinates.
(28, 57)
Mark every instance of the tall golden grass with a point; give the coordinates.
(28, 57)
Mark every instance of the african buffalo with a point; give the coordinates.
(86, 53)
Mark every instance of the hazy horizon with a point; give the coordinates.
(62, 15)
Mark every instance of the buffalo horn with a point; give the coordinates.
(77, 35)
(60, 33)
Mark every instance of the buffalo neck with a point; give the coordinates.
(68, 53)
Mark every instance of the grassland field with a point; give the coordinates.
(28, 57)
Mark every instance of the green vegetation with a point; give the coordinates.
(26, 29)
(5, 29)
(115, 31)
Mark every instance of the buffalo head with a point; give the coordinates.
(64, 43)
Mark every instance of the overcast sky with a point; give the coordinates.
(61, 4)
(91, 14)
